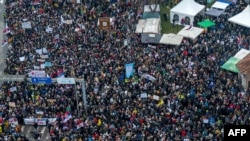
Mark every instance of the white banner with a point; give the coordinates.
(12, 89)
(144, 95)
(69, 21)
(41, 51)
(44, 56)
(37, 73)
(149, 77)
(49, 29)
(65, 80)
(40, 121)
(26, 25)
(22, 58)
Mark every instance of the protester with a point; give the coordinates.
(188, 96)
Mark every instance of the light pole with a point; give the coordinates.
(84, 96)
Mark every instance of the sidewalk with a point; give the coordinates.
(3, 50)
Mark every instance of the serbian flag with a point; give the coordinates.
(67, 117)
(4, 43)
(60, 73)
(36, 2)
(6, 30)
(79, 123)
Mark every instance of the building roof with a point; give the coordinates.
(244, 65)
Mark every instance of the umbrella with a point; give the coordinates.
(207, 23)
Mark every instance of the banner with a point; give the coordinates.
(149, 77)
(47, 64)
(26, 25)
(12, 89)
(40, 121)
(44, 56)
(12, 104)
(144, 95)
(21, 59)
(41, 51)
(129, 70)
(49, 29)
(37, 73)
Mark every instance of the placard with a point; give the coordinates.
(12, 104)
(104, 23)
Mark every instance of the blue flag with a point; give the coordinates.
(129, 70)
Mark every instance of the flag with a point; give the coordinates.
(67, 116)
(99, 122)
(6, 30)
(60, 73)
(189, 27)
(129, 70)
(160, 103)
(79, 123)
(149, 77)
(4, 43)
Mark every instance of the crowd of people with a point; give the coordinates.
(191, 97)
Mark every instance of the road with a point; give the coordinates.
(42, 129)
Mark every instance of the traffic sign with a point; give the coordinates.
(41, 80)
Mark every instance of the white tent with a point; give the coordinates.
(171, 39)
(241, 54)
(140, 26)
(220, 5)
(243, 18)
(147, 8)
(151, 25)
(186, 9)
(191, 33)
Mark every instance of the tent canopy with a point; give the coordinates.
(243, 18)
(147, 15)
(188, 7)
(207, 23)
(191, 33)
(171, 39)
(228, 1)
(214, 12)
(230, 65)
(151, 25)
(150, 38)
(241, 54)
(147, 8)
(220, 5)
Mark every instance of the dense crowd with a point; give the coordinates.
(195, 96)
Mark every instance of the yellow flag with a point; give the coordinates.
(99, 123)
(135, 111)
(160, 103)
